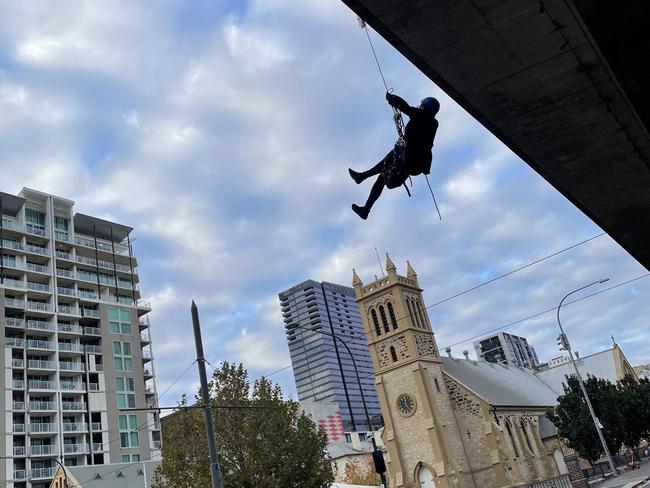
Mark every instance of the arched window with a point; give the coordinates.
(373, 314)
(525, 431)
(412, 314)
(393, 354)
(425, 477)
(512, 438)
(382, 312)
(423, 319)
(391, 314)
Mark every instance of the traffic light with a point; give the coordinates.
(378, 460)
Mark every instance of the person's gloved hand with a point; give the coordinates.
(390, 98)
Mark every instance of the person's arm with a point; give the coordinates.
(400, 104)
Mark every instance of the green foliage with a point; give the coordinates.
(271, 445)
(623, 410)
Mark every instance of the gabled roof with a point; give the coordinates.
(125, 475)
(500, 385)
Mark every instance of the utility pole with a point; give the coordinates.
(215, 469)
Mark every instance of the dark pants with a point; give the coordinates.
(379, 184)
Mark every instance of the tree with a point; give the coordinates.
(263, 441)
(574, 423)
(362, 473)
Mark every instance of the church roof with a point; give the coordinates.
(500, 385)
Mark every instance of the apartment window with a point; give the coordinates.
(130, 458)
(61, 223)
(119, 321)
(34, 217)
(129, 431)
(125, 390)
(123, 361)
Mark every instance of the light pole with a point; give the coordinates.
(563, 341)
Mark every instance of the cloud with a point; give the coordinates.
(223, 132)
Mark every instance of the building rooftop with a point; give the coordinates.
(127, 475)
(501, 385)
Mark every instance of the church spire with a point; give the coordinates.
(356, 281)
(410, 272)
(390, 266)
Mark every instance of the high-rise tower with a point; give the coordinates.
(315, 357)
(76, 349)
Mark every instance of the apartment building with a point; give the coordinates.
(504, 348)
(77, 348)
(313, 312)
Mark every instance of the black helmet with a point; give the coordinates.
(430, 104)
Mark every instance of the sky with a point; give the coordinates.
(222, 132)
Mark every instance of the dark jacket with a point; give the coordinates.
(420, 131)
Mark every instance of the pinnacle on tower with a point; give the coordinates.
(410, 272)
(390, 266)
(356, 281)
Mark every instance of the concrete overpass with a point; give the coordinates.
(564, 84)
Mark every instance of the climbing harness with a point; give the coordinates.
(395, 173)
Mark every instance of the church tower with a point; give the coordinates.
(422, 436)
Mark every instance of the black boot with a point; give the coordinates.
(357, 177)
(360, 211)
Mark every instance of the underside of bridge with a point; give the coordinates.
(564, 84)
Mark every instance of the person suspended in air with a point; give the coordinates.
(410, 157)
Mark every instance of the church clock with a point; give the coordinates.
(406, 405)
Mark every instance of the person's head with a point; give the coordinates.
(431, 105)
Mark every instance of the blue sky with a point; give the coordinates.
(223, 135)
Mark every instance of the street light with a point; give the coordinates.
(563, 341)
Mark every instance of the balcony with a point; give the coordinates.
(40, 364)
(72, 366)
(74, 427)
(20, 474)
(92, 331)
(35, 229)
(42, 406)
(144, 337)
(18, 406)
(64, 273)
(14, 322)
(102, 245)
(97, 447)
(43, 450)
(73, 386)
(87, 295)
(93, 386)
(67, 310)
(11, 283)
(70, 328)
(18, 428)
(40, 325)
(89, 312)
(19, 450)
(61, 235)
(156, 444)
(18, 384)
(73, 406)
(42, 428)
(63, 255)
(96, 426)
(17, 363)
(41, 287)
(68, 292)
(14, 303)
(69, 347)
(43, 251)
(36, 268)
(38, 344)
(148, 373)
(14, 342)
(75, 448)
(42, 473)
(41, 385)
(93, 349)
(40, 306)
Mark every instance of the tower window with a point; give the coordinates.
(384, 322)
(423, 320)
(412, 314)
(393, 354)
(391, 314)
(373, 314)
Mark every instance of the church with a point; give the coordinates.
(449, 422)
